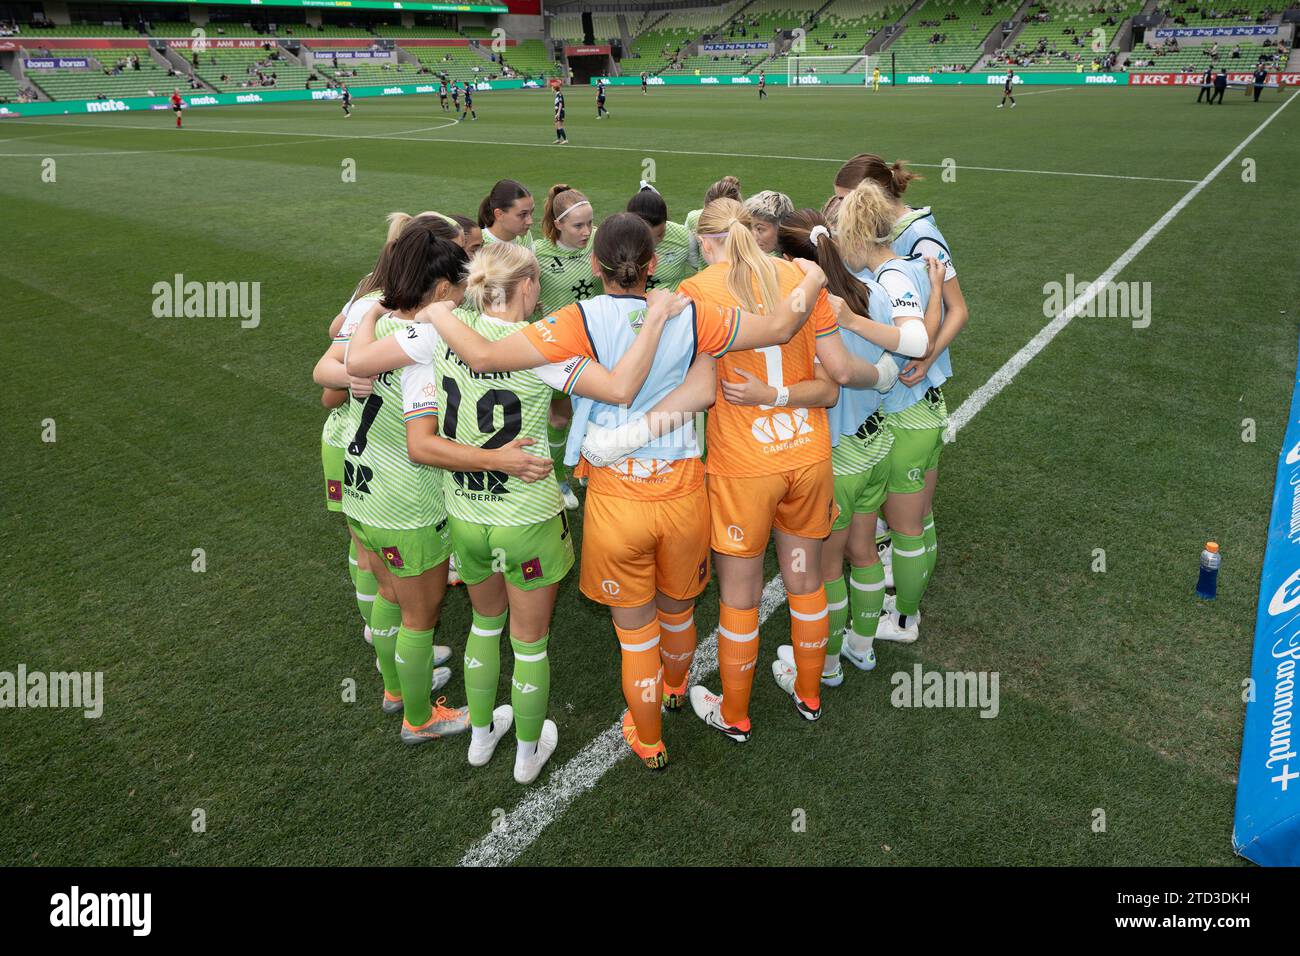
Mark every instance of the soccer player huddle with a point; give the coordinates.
(475, 373)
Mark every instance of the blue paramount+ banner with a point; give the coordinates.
(1267, 824)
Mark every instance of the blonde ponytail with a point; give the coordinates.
(863, 222)
(495, 274)
(748, 270)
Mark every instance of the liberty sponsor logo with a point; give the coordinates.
(63, 690)
(948, 689)
(76, 909)
(208, 300)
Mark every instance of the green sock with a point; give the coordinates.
(367, 589)
(483, 666)
(931, 545)
(911, 570)
(837, 605)
(414, 659)
(352, 560)
(385, 622)
(557, 437)
(867, 598)
(530, 688)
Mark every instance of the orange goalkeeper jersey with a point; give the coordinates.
(745, 441)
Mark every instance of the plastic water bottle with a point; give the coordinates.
(1207, 586)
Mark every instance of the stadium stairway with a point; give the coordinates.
(898, 28)
(992, 44)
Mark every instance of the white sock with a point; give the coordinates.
(478, 735)
(832, 664)
(525, 750)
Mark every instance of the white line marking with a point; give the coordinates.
(401, 136)
(543, 805)
(583, 771)
(1003, 376)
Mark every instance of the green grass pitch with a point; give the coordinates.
(1120, 692)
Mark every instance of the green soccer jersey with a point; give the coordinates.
(490, 410)
(341, 422)
(859, 453)
(526, 240)
(676, 261)
(566, 275)
(382, 487)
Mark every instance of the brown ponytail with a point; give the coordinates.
(624, 247)
(505, 193)
(893, 179)
(795, 240)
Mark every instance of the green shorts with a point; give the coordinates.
(861, 494)
(531, 556)
(332, 459)
(915, 451)
(406, 553)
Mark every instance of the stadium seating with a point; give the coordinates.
(763, 18)
(530, 58)
(1198, 13)
(568, 27)
(31, 33)
(459, 63)
(8, 87)
(363, 72)
(239, 66)
(656, 49)
(1065, 36)
(964, 25)
(847, 25)
(89, 83)
(1193, 59)
(399, 32)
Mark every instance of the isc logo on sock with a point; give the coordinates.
(524, 688)
(813, 645)
(472, 662)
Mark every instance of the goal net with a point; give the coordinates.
(827, 70)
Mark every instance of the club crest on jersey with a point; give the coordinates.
(394, 557)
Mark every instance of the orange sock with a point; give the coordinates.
(737, 654)
(677, 645)
(809, 629)
(643, 687)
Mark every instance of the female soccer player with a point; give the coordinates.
(645, 546)
(331, 373)
(600, 100)
(471, 235)
(914, 232)
(767, 210)
(769, 469)
(506, 214)
(442, 93)
(728, 187)
(564, 255)
(673, 261)
(561, 137)
(469, 102)
(512, 540)
(860, 445)
(914, 413)
(394, 506)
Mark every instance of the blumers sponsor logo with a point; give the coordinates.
(948, 689)
(208, 300)
(1115, 300)
(65, 690)
(248, 98)
(105, 106)
(77, 909)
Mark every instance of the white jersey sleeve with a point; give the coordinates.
(935, 250)
(419, 391)
(903, 299)
(420, 341)
(563, 376)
